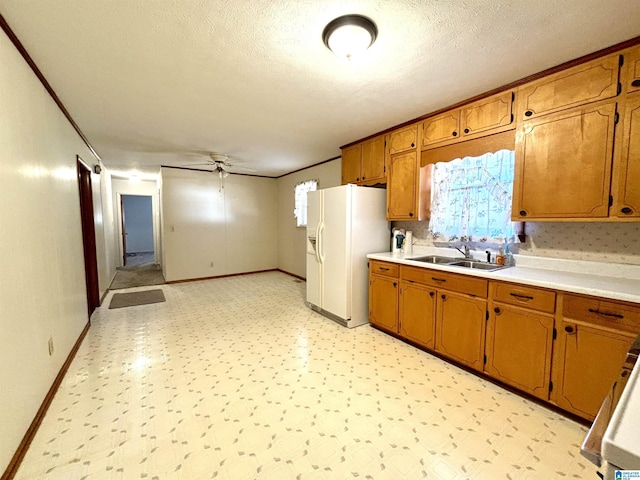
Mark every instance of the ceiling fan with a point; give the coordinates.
(219, 163)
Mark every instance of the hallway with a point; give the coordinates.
(235, 378)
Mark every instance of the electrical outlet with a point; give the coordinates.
(50, 346)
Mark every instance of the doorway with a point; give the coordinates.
(137, 230)
(88, 235)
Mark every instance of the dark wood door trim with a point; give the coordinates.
(88, 235)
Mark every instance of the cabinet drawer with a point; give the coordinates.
(446, 281)
(525, 296)
(590, 82)
(403, 139)
(605, 313)
(384, 268)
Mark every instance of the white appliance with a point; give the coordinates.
(344, 224)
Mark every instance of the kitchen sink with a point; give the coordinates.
(435, 259)
(458, 262)
(477, 265)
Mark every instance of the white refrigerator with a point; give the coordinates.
(344, 224)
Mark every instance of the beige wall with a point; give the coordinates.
(291, 240)
(42, 286)
(208, 231)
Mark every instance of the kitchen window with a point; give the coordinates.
(471, 200)
(300, 209)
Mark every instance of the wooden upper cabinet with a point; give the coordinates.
(590, 82)
(351, 164)
(402, 140)
(402, 185)
(628, 196)
(373, 164)
(563, 164)
(632, 59)
(441, 128)
(491, 114)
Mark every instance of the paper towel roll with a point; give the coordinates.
(408, 242)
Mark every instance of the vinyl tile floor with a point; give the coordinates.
(236, 378)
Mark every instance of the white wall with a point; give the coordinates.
(125, 187)
(235, 229)
(291, 239)
(42, 283)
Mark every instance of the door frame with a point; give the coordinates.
(88, 235)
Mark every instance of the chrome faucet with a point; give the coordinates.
(466, 252)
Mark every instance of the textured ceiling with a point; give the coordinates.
(151, 81)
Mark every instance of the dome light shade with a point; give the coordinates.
(349, 35)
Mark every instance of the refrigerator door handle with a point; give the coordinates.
(317, 245)
(320, 242)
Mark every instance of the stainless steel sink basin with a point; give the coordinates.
(436, 259)
(477, 265)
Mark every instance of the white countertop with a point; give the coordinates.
(621, 441)
(608, 280)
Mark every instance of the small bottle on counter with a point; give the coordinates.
(500, 256)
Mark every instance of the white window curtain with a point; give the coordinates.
(471, 200)
(300, 208)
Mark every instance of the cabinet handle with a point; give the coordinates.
(569, 329)
(438, 279)
(466, 130)
(357, 179)
(497, 311)
(523, 213)
(363, 178)
(411, 214)
(443, 297)
(523, 297)
(410, 281)
(384, 269)
(626, 210)
(394, 284)
(455, 134)
(528, 113)
(636, 83)
(431, 294)
(413, 145)
(606, 314)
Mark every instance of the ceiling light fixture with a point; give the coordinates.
(349, 35)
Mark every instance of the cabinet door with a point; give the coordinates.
(519, 345)
(351, 164)
(401, 187)
(417, 313)
(441, 128)
(628, 198)
(563, 164)
(587, 83)
(373, 159)
(460, 328)
(492, 113)
(403, 139)
(383, 302)
(633, 69)
(589, 362)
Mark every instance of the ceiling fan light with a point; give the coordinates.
(349, 35)
(222, 173)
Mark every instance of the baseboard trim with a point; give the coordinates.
(292, 274)
(15, 462)
(221, 276)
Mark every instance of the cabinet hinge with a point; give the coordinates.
(610, 201)
(513, 99)
(512, 117)
(550, 386)
(619, 88)
(487, 315)
(621, 60)
(616, 118)
(485, 360)
(555, 334)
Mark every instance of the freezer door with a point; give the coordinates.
(314, 270)
(334, 249)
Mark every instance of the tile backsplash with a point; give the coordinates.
(597, 242)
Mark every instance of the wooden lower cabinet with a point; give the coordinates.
(518, 348)
(590, 359)
(460, 328)
(417, 313)
(383, 302)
